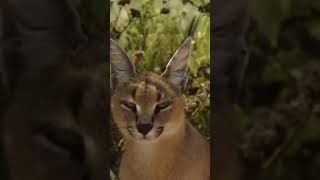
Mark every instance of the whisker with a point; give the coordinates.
(117, 127)
(116, 130)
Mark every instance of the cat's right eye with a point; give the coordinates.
(162, 106)
(129, 105)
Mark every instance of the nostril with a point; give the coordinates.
(144, 128)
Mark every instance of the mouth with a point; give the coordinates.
(144, 138)
(157, 133)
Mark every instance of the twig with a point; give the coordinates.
(126, 27)
(192, 3)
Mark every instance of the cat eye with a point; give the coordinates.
(162, 106)
(129, 105)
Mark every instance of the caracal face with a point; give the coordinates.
(147, 107)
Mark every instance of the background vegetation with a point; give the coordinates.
(279, 110)
(150, 31)
(278, 113)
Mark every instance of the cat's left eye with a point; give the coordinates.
(162, 106)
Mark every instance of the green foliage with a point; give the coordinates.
(150, 31)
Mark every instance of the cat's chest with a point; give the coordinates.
(156, 172)
(145, 158)
(147, 164)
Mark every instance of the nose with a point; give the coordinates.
(144, 128)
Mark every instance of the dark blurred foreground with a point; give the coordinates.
(274, 126)
(53, 90)
(278, 112)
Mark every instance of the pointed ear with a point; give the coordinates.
(176, 69)
(121, 66)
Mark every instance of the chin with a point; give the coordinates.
(148, 139)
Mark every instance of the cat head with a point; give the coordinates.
(148, 106)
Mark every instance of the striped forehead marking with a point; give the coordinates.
(150, 86)
(147, 91)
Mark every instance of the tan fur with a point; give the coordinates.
(179, 153)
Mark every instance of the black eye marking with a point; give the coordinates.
(162, 106)
(129, 105)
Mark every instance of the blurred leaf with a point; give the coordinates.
(135, 13)
(205, 8)
(165, 11)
